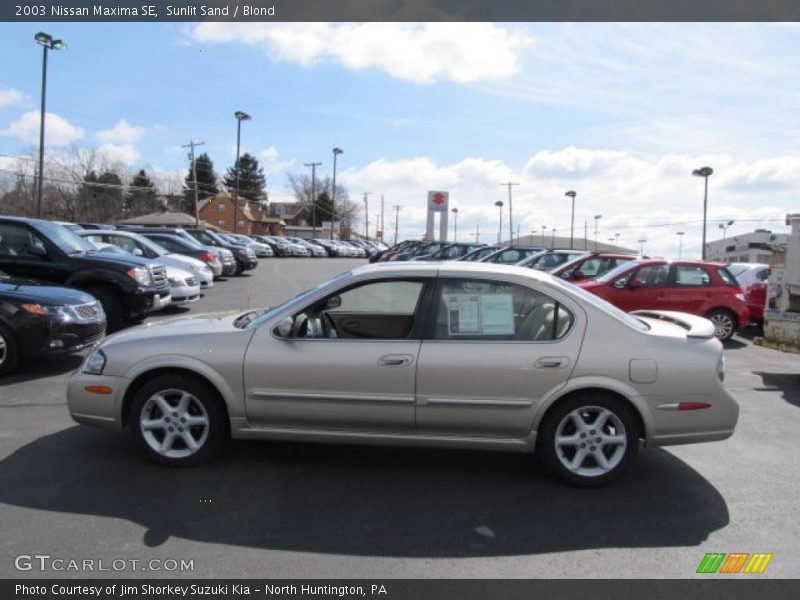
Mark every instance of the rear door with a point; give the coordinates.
(690, 289)
(493, 350)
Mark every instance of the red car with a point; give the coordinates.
(591, 265)
(756, 298)
(699, 288)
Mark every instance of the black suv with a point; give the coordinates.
(40, 320)
(128, 287)
(245, 255)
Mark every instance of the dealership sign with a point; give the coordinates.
(438, 201)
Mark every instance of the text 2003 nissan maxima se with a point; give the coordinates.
(447, 355)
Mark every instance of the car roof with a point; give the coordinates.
(452, 268)
(669, 261)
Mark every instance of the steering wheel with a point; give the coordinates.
(300, 323)
(314, 329)
(328, 325)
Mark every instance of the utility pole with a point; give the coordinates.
(313, 166)
(397, 208)
(383, 231)
(366, 215)
(191, 145)
(510, 213)
(477, 234)
(585, 234)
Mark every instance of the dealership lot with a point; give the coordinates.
(290, 510)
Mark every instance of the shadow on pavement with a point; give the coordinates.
(787, 383)
(369, 501)
(36, 368)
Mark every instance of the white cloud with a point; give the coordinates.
(418, 52)
(273, 163)
(58, 131)
(121, 133)
(124, 153)
(11, 97)
(639, 197)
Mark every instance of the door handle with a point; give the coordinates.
(551, 362)
(395, 360)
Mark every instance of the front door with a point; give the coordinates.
(494, 351)
(25, 254)
(349, 363)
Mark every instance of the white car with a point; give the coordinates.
(139, 245)
(747, 274)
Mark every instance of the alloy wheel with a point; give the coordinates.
(174, 423)
(723, 325)
(590, 441)
(3, 349)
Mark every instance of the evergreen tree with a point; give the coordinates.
(141, 196)
(251, 178)
(101, 196)
(322, 210)
(206, 183)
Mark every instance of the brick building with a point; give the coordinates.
(253, 218)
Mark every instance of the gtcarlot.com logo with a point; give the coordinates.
(735, 562)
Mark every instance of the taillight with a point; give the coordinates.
(207, 257)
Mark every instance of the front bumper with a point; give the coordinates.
(55, 336)
(184, 294)
(92, 408)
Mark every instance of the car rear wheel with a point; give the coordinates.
(178, 420)
(589, 440)
(9, 353)
(724, 323)
(239, 268)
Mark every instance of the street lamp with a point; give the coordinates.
(336, 152)
(455, 223)
(724, 227)
(596, 230)
(46, 41)
(680, 244)
(544, 227)
(641, 247)
(240, 116)
(616, 238)
(705, 173)
(499, 204)
(572, 195)
(553, 240)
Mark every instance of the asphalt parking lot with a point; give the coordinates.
(289, 510)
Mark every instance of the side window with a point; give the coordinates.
(687, 275)
(95, 239)
(125, 243)
(168, 244)
(493, 310)
(727, 277)
(651, 276)
(593, 267)
(383, 297)
(18, 241)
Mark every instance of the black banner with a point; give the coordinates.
(463, 589)
(399, 10)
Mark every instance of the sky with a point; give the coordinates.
(620, 113)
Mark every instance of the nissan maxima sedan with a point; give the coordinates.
(459, 355)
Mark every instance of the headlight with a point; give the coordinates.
(141, 275)
(65, 312)
(94, 363)
(721, 368)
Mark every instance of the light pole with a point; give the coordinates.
(48, 43)
(641, 247)
(553, 240)
(544, 227)
(313, 166)
(336, 152)
(571, 194)
(510, 213)
(366, 215)
(705, 173)
(680, 244)
(616, 238)
(499, 204)
(240, 116)
(455, 223)
(724, 227)
(596, 229)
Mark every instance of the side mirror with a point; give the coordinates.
(636, 283)
(284, 327)
(137, 252)
(37, 251)
(576, 275)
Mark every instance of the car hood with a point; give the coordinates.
(119, 260)
(23, 290)
(211, 323)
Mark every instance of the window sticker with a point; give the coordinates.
(497, 314)
(463, 314)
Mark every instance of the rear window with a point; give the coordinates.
(726, 276)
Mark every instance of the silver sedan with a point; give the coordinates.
(460, 355)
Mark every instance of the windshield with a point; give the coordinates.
(267, 313)
(67, 241)
(602, 304)
(157, 248)
(737, 269)
(615, 272)
(207, 238)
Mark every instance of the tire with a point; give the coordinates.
(9, 351)
(239, 268)
(725, 323)
(150, 424)
(112, 306)
(562, 423)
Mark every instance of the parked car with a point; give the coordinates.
(512, 359)
(261, 250)
(334, 249)
(185, 245)
(387, 254)
(244, 255)
(38, 320)
(589, 266)
(128, 287)
(511, 255)
(453, 251)
(103, 226)
(71, 226)
(317, 249)
(547, 260)
(756, 298)
(356, 250)
(480, 253)
(279, 245)
(204, 268)
(699, 288)
(749, 273)
(313, 249)
(425, 249)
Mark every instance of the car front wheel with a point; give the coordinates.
(589, 440)
(9, 354)
(178, 420)
(724, 324)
